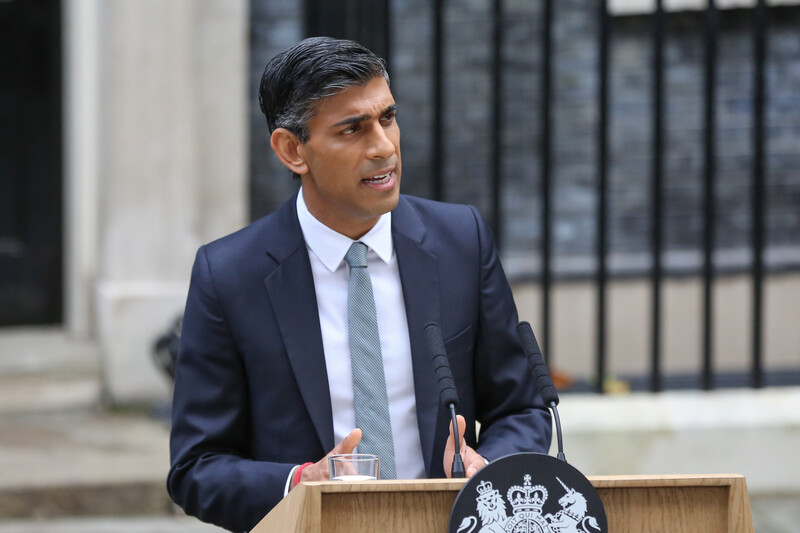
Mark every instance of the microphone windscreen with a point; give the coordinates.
(433, 337)
(536, 362)
(449, 395)
(441, 365)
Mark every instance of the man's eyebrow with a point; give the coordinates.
(361, 118)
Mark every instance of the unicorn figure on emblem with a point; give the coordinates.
(572, 516)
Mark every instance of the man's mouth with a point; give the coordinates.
(380, 179)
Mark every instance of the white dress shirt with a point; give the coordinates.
(326, 250)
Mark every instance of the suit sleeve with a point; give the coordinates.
(212, 475)
(512, 415)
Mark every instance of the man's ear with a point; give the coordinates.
(289, 150)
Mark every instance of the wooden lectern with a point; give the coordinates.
(634, 504)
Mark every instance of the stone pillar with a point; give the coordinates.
(171, 135)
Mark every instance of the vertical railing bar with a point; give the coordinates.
(758, 178)
(386, 23)
(546, 149)
(437, 150)
(497, 120)
(657, 196)
(602, 192)
(351, 22)
(709, 179)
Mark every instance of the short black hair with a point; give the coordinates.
(295, 80)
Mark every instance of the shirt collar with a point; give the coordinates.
(331, 246)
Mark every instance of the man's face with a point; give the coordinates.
(353, 159)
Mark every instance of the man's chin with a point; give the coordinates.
(393, 200)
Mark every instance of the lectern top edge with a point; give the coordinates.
(427, 485)
(671, 480)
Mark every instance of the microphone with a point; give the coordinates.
(541, 376)
(448, 395)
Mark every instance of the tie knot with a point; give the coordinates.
(356, 256)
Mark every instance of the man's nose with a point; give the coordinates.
(381, 146)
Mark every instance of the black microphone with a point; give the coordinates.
(542, 377)
(448, 395)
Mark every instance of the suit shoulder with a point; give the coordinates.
(247, 247)
(243, 237)
(435, 209)
(458, 219)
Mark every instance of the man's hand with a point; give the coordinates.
(472, 461)
(319, 470)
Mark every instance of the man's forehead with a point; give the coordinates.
(370, 99)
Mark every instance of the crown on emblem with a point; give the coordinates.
(484, 487)
(527, 497)
(486, 493)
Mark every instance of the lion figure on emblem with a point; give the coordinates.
(491, 509)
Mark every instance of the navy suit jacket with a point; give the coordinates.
(251, 395)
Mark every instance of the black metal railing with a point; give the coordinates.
(602, 191)
(657, 273)
(709, 179)
(546, 158)
(657, 200)
(758, 179)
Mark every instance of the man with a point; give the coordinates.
(264, 386)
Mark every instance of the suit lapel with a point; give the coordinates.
(419, 277)
(291, 290)
(290, 286)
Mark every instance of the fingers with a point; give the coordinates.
(462, 428)
(472, 462)
(450, 447)
(349, 443)
(319, 470)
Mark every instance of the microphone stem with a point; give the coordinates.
(457, 471)
(558, 433)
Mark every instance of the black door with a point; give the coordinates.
(364, 21)
(30, 162)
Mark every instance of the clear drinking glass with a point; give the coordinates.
(353, 467)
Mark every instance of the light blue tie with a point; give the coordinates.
(369, 384)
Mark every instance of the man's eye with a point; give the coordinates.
(389, 117)
(351, 129)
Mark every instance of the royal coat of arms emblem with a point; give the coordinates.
(529, 507)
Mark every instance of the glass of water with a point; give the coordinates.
(354, 467)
